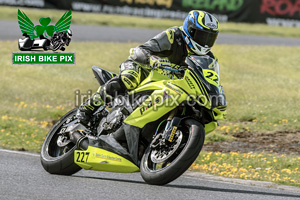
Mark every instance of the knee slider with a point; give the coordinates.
(130, 78)
(130, 74)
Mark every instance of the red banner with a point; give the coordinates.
(281, 8)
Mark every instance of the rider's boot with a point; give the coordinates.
(87, 109)
(104, 95)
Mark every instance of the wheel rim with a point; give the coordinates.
(161, 155)
(155, 163)
(55, 149)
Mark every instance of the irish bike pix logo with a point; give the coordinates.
(36, 39)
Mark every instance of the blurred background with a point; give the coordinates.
(272, 12)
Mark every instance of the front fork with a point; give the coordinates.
(171, 126)
(169, 132)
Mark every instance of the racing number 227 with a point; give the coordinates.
(82, 156)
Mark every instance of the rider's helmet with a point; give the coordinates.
(200, 31)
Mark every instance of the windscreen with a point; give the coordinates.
(206, 62)
(207, 70)
(207, 66)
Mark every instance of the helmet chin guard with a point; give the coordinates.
(195, 47)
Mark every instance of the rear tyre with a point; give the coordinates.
(55, 159)
(174, 166)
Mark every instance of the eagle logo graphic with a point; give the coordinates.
(48, 37)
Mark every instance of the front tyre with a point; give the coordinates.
(59, 159)
(191, 140)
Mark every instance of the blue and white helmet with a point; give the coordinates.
(200, 31)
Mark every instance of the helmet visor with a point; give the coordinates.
(203, 37)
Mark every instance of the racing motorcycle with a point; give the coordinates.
(158, 128)
(59, 40)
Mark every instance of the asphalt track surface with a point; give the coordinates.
(10, 31)
(23, 177)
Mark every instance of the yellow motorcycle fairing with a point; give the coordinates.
(102, 160)
(167, 95)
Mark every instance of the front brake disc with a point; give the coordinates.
(163, 153)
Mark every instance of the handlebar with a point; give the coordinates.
(170, 69)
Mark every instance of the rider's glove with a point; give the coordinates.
(163, 65)
(156, 62)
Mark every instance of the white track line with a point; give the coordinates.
(20, 152)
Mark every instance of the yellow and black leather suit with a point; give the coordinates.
(168, 44)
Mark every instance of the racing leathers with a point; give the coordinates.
(169, 45)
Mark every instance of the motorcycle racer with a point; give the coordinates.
(196, 37)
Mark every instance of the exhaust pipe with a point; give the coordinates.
(81, 141)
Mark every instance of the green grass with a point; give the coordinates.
(261, 83)
(33, 96)
(262, 86)
(271, 167)
(10, 13)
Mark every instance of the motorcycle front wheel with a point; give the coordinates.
(58, 159)
(159, 167)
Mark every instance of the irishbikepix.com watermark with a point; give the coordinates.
(43, 58)
(166, 99)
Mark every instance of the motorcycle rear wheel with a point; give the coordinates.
(180, 161)
(55, 159)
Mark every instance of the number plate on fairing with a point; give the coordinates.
(211, 76)
(101, 160)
